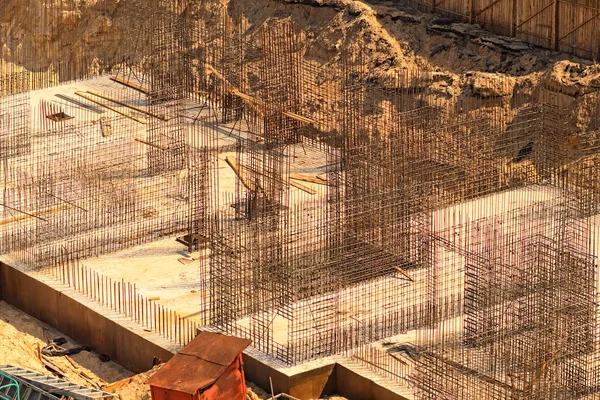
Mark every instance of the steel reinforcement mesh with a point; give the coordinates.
(366, 206)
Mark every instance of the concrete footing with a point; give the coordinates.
(133, 348)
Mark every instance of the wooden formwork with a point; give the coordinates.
(571, 26)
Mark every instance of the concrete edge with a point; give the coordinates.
(70, 313)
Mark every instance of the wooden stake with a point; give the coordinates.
(152, 144)
(309, 178)
(303, 187)
(232, 162)
(404, 273)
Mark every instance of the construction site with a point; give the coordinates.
(386, 199)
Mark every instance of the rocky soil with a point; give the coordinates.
(394, 36)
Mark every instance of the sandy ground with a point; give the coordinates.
(20, 336)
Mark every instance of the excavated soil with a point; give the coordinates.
(394, 36)
(20, 337)
(468, 61)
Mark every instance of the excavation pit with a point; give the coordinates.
(355, 185)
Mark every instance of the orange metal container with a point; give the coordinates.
(210, 367)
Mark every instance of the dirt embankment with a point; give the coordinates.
(32, 32)
(466, 59)
(22, 335)
(469, 65)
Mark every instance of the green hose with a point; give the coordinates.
(13, 383)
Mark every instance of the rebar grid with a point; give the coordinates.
(514, 306)
(367, 273)
(120, 166)
(458, 227)
(15, 138)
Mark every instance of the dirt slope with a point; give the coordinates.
(100, 35)
(395, 36)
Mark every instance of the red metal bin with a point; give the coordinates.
(210, 367)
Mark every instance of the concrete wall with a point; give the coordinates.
(319, 382)
(354, 386)
(136, 353)
(77, 321)
(311, 384)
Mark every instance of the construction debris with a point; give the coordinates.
(309, 178)
(58, 388)
(53, 348)
(89, 98)
(134, 387)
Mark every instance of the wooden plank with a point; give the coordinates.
(249, 100)
(113, 387)
(303, 187)
(555, 26)
(534, 15)
(138, 109)
(232, 162)
(70, 360)
(256, 104)
(298, 117)
(513, 19)
(128, 83)
(537, 27)
(577, 27)
(540, 372)
(80, 103)
(472, 15)
(51, 366)
(105, 127)
(25, 215)
(435, 4)
(151, 144)
(85, 96)
(459, 9)
(404, 273)
(478, 13)
(309, 178)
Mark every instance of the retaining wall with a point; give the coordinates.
(571, 26)
(136, 353)
(78, 321)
